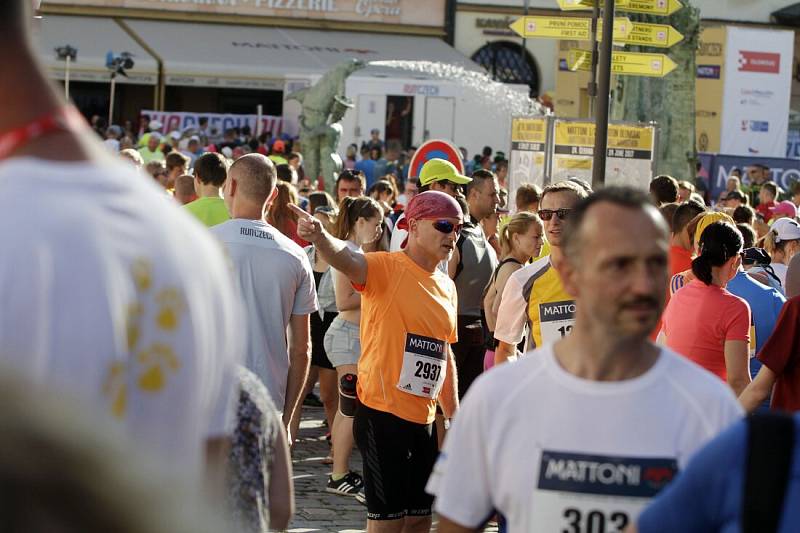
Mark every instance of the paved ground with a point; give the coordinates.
(317, 510)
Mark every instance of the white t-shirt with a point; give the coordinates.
(780, 270)
(553, 452)
(111, 292)
(276, 281)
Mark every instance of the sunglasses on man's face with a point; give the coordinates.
(446, 227)
(547, 214)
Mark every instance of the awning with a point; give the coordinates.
(788, 16)
(93, 38)
(266, 57)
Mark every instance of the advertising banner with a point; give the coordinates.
(217, 122)
(758, 81)
(629, 159)
(710, 80)
(526, 162)
(782, 171)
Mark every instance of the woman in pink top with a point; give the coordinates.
(705, 322)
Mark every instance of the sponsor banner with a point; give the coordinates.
(756, 98)
(709, 85)
(629, 159)
(526, 161)
(406, 12)
(783, 171)
(793, 144)
(180, 121)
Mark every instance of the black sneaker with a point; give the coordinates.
(349, 485)
(312, 400)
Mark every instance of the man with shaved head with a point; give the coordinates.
(276, 281)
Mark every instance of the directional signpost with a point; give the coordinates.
(656, 35)
(625, 63)
(650, 7)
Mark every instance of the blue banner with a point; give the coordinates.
(783, 171)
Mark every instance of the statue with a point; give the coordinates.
(324, 105)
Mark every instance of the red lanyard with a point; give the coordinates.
(63, 119)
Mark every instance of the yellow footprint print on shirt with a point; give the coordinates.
(142, 272)
(170, 307)
(133, 321)
(156, 362)
(116, 388)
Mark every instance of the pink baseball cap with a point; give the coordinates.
(784, 208)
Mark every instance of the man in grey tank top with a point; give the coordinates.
(471, 268)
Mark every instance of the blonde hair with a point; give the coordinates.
(518, 224)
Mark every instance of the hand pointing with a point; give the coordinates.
(308, 227)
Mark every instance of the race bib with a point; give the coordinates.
(424, 366)
(556, 320)
(580, 493)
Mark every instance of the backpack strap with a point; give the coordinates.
(769, 462)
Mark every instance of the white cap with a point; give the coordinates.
(227, 152)
(155, 125)
(176, 135)
(155, 135)
(194, 138)
(786, 229)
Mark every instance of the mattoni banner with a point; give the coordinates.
(629, 159)
(757, 93)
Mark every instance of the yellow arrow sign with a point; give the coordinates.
(657, 35)
(625, 63)
(575, 28)
(641, 34)
(574, 5)
(651, 7)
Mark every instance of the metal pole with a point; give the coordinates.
(66, 79)
(522, 58)
(591, 89)
(111, 98)
(603, 91)
(259, 114)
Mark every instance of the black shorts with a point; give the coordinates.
(398, 458)
(318, 329)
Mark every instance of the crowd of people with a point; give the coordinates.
(581, 362)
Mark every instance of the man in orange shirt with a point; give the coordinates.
(408, 311)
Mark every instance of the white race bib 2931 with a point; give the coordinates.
(424, 366)
(581, 493)
(556, 320)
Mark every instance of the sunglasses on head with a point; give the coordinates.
(446, 227)
(547, 214)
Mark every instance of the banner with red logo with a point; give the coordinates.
(757, 94)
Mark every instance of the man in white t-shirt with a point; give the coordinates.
(583, 433)
(101, 294)
(276, 281)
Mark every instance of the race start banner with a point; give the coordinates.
(527, 160)
(629, 160)
(217, 122)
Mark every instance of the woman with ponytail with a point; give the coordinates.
(520, 240)
(358, 224)
(705, 322)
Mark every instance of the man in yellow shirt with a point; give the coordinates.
(535, 293)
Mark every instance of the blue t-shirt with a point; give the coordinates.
(367, 166)
(765, 304)
(707, 496)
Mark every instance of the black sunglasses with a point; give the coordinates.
(547, 214)
(447, 227)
